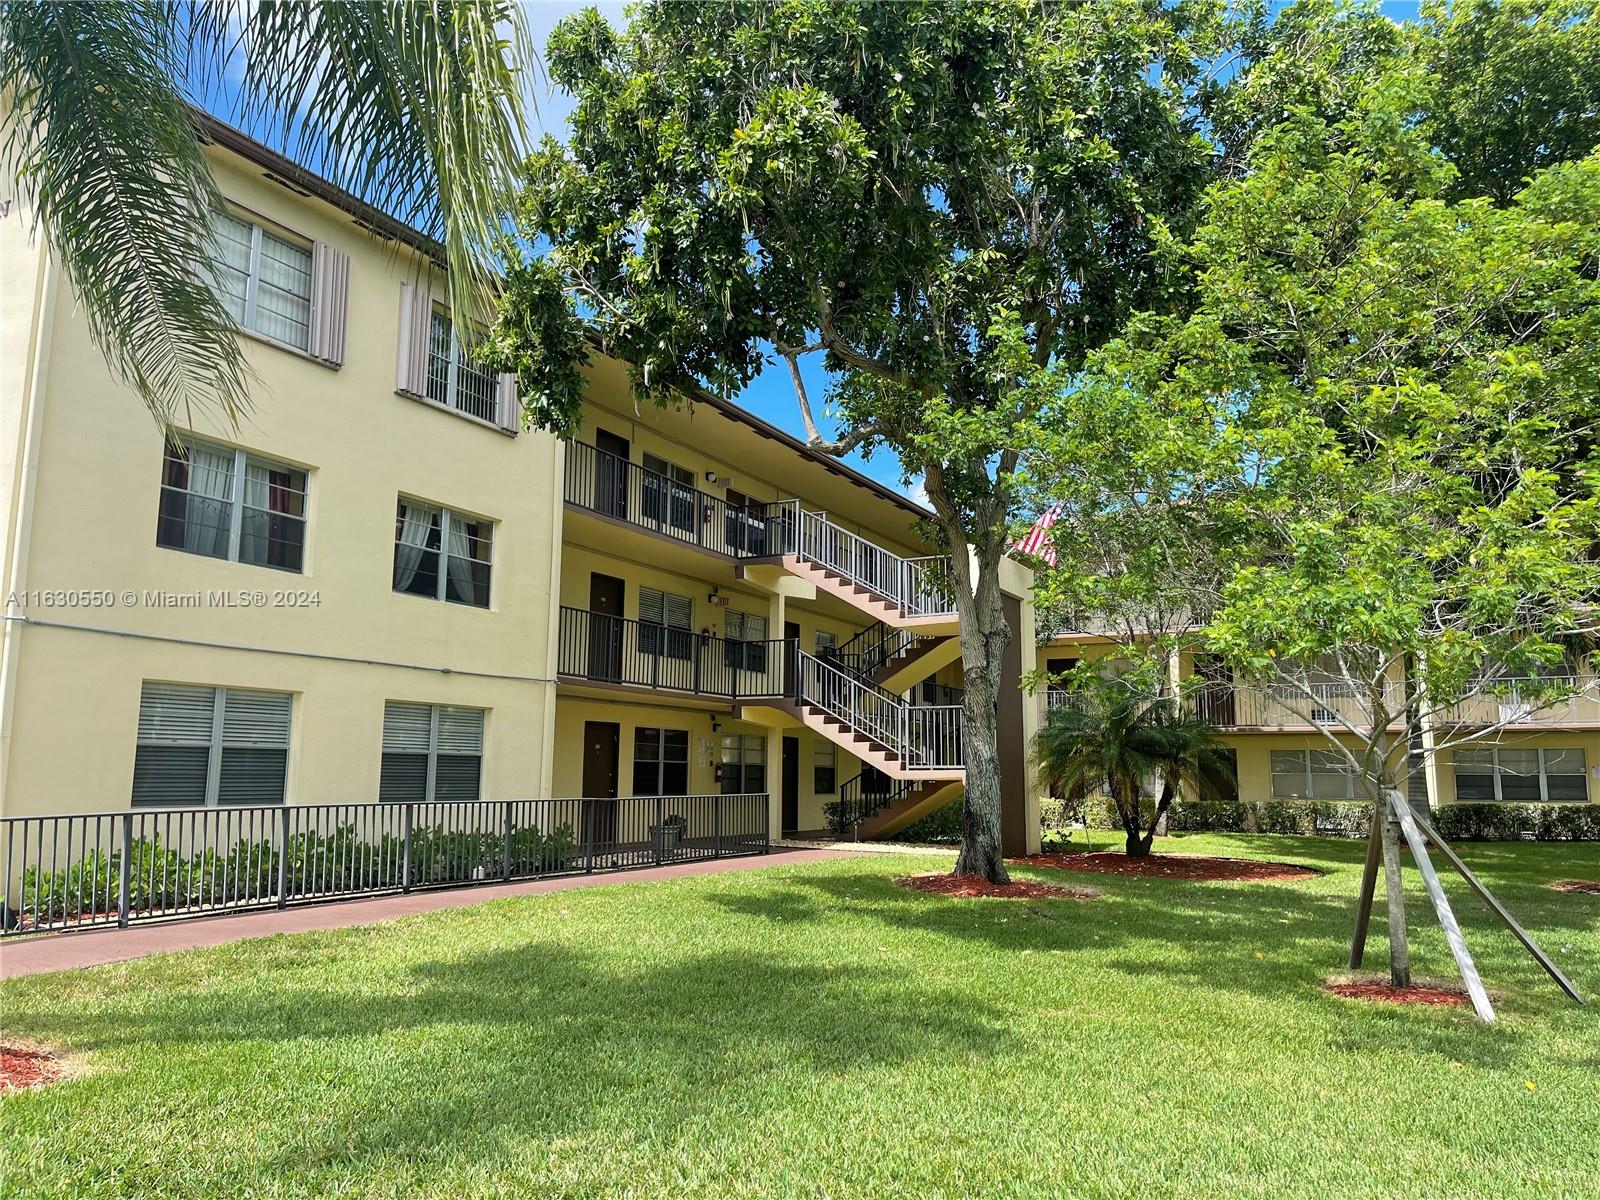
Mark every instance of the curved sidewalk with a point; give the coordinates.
(90, 948)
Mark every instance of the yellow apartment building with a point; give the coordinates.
(1548, 754)
(377, 587)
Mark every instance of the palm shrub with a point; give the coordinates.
(1119, 738)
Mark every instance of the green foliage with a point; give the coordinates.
(940, 827)
(417, 108)
(161, 879)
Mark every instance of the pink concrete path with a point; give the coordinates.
(90, 948)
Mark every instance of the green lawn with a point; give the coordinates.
(818, 1032)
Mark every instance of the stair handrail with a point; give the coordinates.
(925, 736)
(879, 643)
(918, 586)
(855, 805)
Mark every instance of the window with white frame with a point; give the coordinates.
(660, 762)
(454, 379)
(210, 745)
(666, 624)
(745, 647)
(430, 752)
(1521, 776)
(263, 280)
(743, 764)
(1312, 775)
(442, 554)
(225, 503)
(824, 767)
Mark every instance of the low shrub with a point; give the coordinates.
(942, 825)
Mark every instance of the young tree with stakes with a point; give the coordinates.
(944, 204)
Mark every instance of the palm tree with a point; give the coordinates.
(418, 108)
(1116, 737)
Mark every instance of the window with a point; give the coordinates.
(454, 380)
(744, 763)
(824, 767)
(745, 524)
(669, 494)
(746, 645)
(1521, 776)
(666, 625)
(204, 510)
(207, 745)
(262, 280)
(430, 752)
(660, 762)
(1311, 775)
(423, 535)
(827, 644)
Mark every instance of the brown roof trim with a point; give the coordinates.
(286, 172)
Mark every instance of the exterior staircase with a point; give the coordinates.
(905, 593)
(895, 659)
(878, 808)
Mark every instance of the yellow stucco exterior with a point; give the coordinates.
(97, 609)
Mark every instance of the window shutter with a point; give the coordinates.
(173, 758)
(406, 727)
(678, 612)
(416, 326)
(460, 730)
(651, 607)
(176, 714)
(256, 718)
(330, 303)
(507, 406)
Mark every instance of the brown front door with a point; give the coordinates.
(605, 627)
(791, 784)
(600, 743)
(611, 475)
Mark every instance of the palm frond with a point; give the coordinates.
(420, 109)
(103, 150)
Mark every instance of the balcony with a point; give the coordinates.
(612, 487)
(598, 648)
(1522, 701)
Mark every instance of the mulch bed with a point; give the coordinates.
(973, 886)
(1580, 887)
(1170, 866)
(23, 1068)
(1387, 994)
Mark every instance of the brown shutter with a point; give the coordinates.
(330, 303)
(416, 321)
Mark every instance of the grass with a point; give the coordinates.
(815, 1031)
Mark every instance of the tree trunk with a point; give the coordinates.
(1399, 949)
(981, 851)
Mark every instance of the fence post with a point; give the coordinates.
(505, 864)
(405, 850)
(766, 822)
(283, 856)
(125, 871)
(586, 808)
(716, 823)
(658, 835)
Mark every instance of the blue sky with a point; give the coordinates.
(771, 394)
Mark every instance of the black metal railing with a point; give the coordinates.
(605, 649)
(81, 870)
(862, 796)
(872, 647)
(612, 486)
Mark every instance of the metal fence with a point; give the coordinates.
(80, 870)
(607, 649)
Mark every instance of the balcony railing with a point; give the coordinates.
(614, 487)
(79, 870)
(606, 649)
(1273, 706)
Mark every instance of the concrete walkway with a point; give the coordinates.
(90, 948)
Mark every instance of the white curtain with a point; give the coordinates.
(416, 522)
(253, 522)
(209, 516)
(460, 568)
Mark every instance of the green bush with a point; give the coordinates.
(942, 825)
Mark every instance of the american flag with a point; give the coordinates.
(1035, 542)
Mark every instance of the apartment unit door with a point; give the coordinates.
(605, 627)
(601, 743)
(791, 784)
(611, 475)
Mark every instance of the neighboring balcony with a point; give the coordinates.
(613, 487)
(1338, 705)
(598, 648)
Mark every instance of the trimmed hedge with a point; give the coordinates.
(1345, 818)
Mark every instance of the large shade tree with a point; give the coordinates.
(417, 108)
(946, 205)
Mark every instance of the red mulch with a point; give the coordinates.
(1581, 887)
(20, 1068)
(1170, 866)
(967, 886)
(1388, 994)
